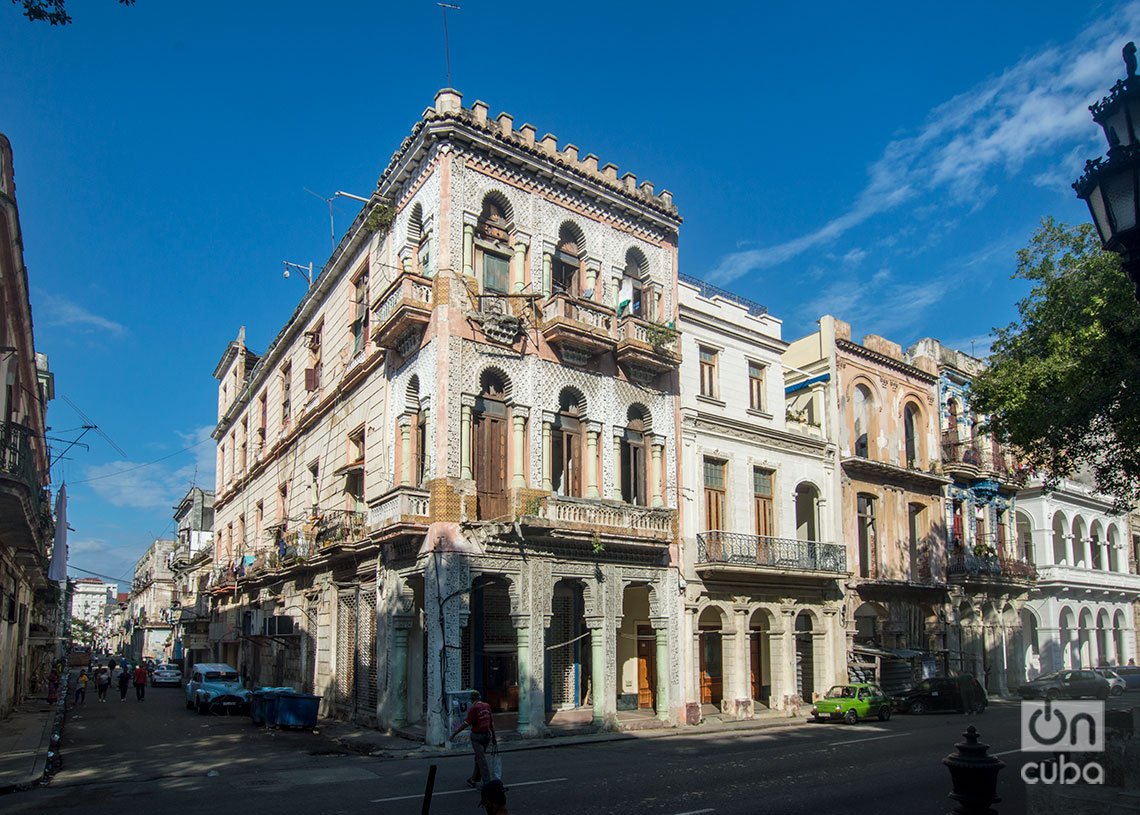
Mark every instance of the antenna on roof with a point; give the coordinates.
(446, 47)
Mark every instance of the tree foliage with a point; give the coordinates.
(1062, 380)
(53, 12)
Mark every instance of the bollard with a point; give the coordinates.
(974, 776)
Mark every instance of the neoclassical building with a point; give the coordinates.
(1080, 613)
(763, 559)
(456, 466)
(891, 511)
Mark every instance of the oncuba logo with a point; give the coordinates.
(1062, 727)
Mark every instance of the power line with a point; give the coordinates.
(97, 574)
(95, 427)
(140, 466)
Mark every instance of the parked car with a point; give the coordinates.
(1131, 676)
(851, 703)
(942, 693)
(1065, 685)
(166, 675)
(215, 686)
(1116, 683)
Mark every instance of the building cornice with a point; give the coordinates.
(754, 434)
(883, 360)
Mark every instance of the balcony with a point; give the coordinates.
(338, 526)
(1094, 582)
(578, 326)
(755, 554)
(403, 505)
(649, 346)
(962, 458)
(989, 570)
(404, 307)
(25, 516)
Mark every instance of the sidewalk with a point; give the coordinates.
(408, 743)
(25, 742)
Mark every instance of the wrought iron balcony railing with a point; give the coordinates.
(996, 566)
(740, 549)
(339, 526)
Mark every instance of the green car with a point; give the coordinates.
(851, 703)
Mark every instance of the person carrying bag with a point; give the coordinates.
(482, 726)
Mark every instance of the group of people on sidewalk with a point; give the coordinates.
(112, 674)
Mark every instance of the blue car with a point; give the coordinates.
(1130, 674)
(215, 686)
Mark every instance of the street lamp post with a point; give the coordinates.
(1111, 185)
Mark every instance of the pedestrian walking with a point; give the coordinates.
(102, 683)
(140, 682)
(482, 726)
(124, 682)
(53, 687)
(81, 687)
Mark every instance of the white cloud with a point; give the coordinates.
(854, 257)
(59, 311)
(157, 486)
(1034, 108)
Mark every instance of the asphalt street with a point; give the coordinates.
(157, 756)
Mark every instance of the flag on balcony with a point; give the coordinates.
(57, 570)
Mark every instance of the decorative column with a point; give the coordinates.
(406, 262)
(467, 403)
(547, 426)
(400, 627)
(425, 417)
(522, 645)
(657, 455)
(728, 668)
(547, 265)
(742, 701)
(469, 250)
(592, 281)
(518, 267)
(782, 653)
(661, 634)
(591, 463)
(597, 626)
(819, 663)
(519, 416)
(405, 450)
(615, 491)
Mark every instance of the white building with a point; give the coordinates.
(89, 601)
(1080, 612)
(763, 601)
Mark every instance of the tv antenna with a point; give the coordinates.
(446, 47)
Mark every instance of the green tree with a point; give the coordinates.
(1062, 380)
(53, 12)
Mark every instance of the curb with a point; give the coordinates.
(48, 759)
(555, 742)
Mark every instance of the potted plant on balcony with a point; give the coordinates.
(660, 335)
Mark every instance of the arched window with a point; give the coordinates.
(419, 235)
(807, 512)
(1025, 537)
(566, 445)
(633, 458)
(861, 404)
(567, 262)
(952, 420)
(491, 245)
(1060, 549)
(916, 528)
(634, 297)
(489, 454)
(417, 464)
(910, 435)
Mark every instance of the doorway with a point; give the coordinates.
(646, 668)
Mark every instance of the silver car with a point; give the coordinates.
(166, 675)
(1116, 684)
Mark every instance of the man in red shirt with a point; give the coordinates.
(482, 733)
(140, 682)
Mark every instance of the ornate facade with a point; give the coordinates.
(474, 483)
(764, 575)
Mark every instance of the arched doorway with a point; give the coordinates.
(1085, 640)
(1119, 632)
(711, 656)
(869, 619)
(805, 656)
(489, 649)
(759, 656)
(1031, 645)
(1067, 634)
(1060, 549)
(807, 512)
(1025, 538)
(568, 650)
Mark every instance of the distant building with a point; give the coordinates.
(30, 603)
(148, 612)
(191, 562)
(89, 599)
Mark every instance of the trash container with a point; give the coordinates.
(263, 705)
(296, 709)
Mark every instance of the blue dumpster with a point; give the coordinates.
(263, 705)
(297, 709)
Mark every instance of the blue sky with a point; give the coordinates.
(882, 166)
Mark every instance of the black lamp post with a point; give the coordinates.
(1111, 185)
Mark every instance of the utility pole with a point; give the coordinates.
(446, 47)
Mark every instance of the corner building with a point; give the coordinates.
(456, 466)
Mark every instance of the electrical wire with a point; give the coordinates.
(146, 464)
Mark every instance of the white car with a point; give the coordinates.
(166, 675)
